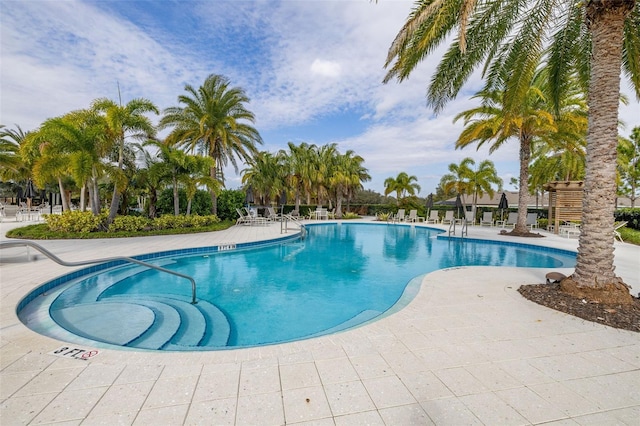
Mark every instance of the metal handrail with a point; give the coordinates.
(7, 244)
(287, 217)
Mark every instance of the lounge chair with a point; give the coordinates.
(433, 217)
(532, 220)
(470, 218)
(272, 215)
(487, 219)
(512, 219)
(242, 218)
(413, 217)
(617, 226)
(399, 217)
(569, 229)
(448, 217)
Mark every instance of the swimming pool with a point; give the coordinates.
(339, 276)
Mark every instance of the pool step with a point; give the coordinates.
(179, 324)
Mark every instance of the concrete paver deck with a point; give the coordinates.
(467, 350)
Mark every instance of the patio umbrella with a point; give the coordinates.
(29, 193)
(248, 198)
(503, 205)
(458, 205)
(429, 203)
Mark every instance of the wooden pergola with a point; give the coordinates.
(565, 202)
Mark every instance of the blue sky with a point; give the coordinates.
(312, 69)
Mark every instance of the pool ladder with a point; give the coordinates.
(8, 244)
(464, 230)
(284, 221)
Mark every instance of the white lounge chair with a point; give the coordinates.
(448, 217)
(532, 220)
(413, 217)
(512, 219)
(487, 219)
(399, 217)
(470, 218)
(433, 217)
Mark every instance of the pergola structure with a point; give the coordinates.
(565, 202)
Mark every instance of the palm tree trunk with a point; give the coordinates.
(594, 268)
(214, 197)
(523, 189)
(115, 198)
(63, 196)
(176, 198)
(339, 203)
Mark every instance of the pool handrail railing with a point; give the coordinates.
(8, 244)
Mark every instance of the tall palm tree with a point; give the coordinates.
(73, 146)
(296, 159)
(213, 119)
(497, 121)
(266, 175)
(347, 174)
(124, 122)
(459, 177)
(481, 180)
(595, 38)
(401, 184)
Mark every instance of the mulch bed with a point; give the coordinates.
(626, 317)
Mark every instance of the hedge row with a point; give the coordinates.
(85, 222)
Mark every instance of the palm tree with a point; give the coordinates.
(458, 180)
(12, 164)
(527, 120)
(123, 122)
(214, 120)
(347, 174)
(151, 177)
(295, 161)
(185, 170)
(402, 184)
(595, 38)
(72, 146)
(481, 180)
(266, 175)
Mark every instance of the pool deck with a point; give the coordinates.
(467, 350)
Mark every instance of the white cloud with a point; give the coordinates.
(326, 68)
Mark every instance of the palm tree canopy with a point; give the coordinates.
(213, 119)
(509, 38)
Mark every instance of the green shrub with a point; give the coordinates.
(129, 223)
(542, 223)
(350, 215)
(631, 215)
(384, 216)
(74, 221)
(181, 221)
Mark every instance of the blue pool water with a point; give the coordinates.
(339, 276)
